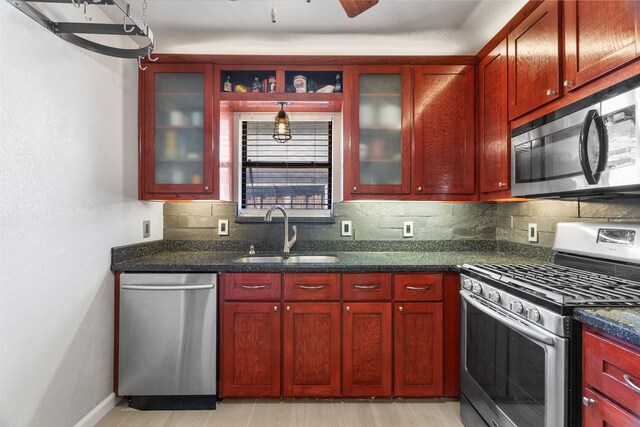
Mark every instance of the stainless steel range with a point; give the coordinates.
(520, 349)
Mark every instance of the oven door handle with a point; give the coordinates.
(536, 336)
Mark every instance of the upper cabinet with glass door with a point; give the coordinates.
(178, 157)
(378, 146)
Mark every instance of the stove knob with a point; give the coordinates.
(533, 315)
(476, 289)
(467, 284)
(494, 296)
(516, 307)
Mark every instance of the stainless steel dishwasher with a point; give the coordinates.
(167, 340)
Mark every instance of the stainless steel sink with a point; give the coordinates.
(312, 259)
(258, 259)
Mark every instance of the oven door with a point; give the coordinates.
(513, 372)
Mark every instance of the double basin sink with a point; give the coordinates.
(293, 259)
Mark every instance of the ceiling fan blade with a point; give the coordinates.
(356, 7)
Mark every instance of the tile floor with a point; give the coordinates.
(297, 413)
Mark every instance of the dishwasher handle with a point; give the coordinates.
(166, 288)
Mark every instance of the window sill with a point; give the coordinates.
(292, 220)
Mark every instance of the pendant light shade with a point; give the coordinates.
(281, 127)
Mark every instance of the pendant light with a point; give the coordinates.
(281, 127)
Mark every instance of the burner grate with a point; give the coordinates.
(565, 285)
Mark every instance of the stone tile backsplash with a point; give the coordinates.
(501, 222)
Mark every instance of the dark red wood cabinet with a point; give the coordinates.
(444, 157)
(377, 137)
(599, 36)
(417, 335)
(178, 132)
(494, 141)
(311, 355)
(611, 381)
(534, 60)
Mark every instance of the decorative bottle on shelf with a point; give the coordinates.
(312, 86)
(255, 86)
(338, 88)
(227, 85)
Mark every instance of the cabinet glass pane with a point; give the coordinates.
(380, 121)
(179, 128)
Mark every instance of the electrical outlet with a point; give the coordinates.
(223, 227)
(146, 229)
(533, 232)
(407, 229)
(345, 228)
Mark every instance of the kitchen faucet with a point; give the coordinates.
(287, 243)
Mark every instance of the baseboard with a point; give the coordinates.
(99, 411)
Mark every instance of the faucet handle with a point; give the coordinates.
(252, 250)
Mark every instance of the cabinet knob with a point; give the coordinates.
(502, 184)
(275, 308)
(400, 309)
(587, 401)
(348, 308)
(355, 188)
(206, 188)
(567, 83)
(419, 188)
(551, 92)
(288, 308)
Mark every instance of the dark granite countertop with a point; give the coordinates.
(621, 322)
(222, 261)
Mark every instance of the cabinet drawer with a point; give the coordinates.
(312, 286)
(366, 287)
(613, 369)
(417, 287)
(252, 286)
(603, 412)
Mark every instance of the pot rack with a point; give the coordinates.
(131, 25)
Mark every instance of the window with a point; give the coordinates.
(297, 175)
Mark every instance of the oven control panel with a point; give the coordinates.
(519, 307)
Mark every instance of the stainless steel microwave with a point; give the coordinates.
(590, 149)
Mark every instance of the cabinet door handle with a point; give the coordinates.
(253, 286)
(502, 184)
(312, 288)
(367, 287)
(206, 188)
(567, 83)
(587, 401)
(551, 92)
(418, 288)
(275, 308)
(629, 381)
(288, 308)
(419, 188)
(400, 309)
(348, 308)
(355, 188)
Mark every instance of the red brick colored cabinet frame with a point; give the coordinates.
(353, 188)
(250, 351)
(444, 117)
(418, 364)
(148, 188)
(366, 349)
(493, 122)
(610, 370)
(311, 356)
(534, 60)
(599, 36)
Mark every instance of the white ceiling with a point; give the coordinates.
(321, 27)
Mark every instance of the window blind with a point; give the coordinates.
(296, 175)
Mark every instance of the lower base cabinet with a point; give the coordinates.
(309, 340)
(311, 349)
(366, 349)
(251, 352)
(418, 344)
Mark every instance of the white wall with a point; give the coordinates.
(68, 193)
